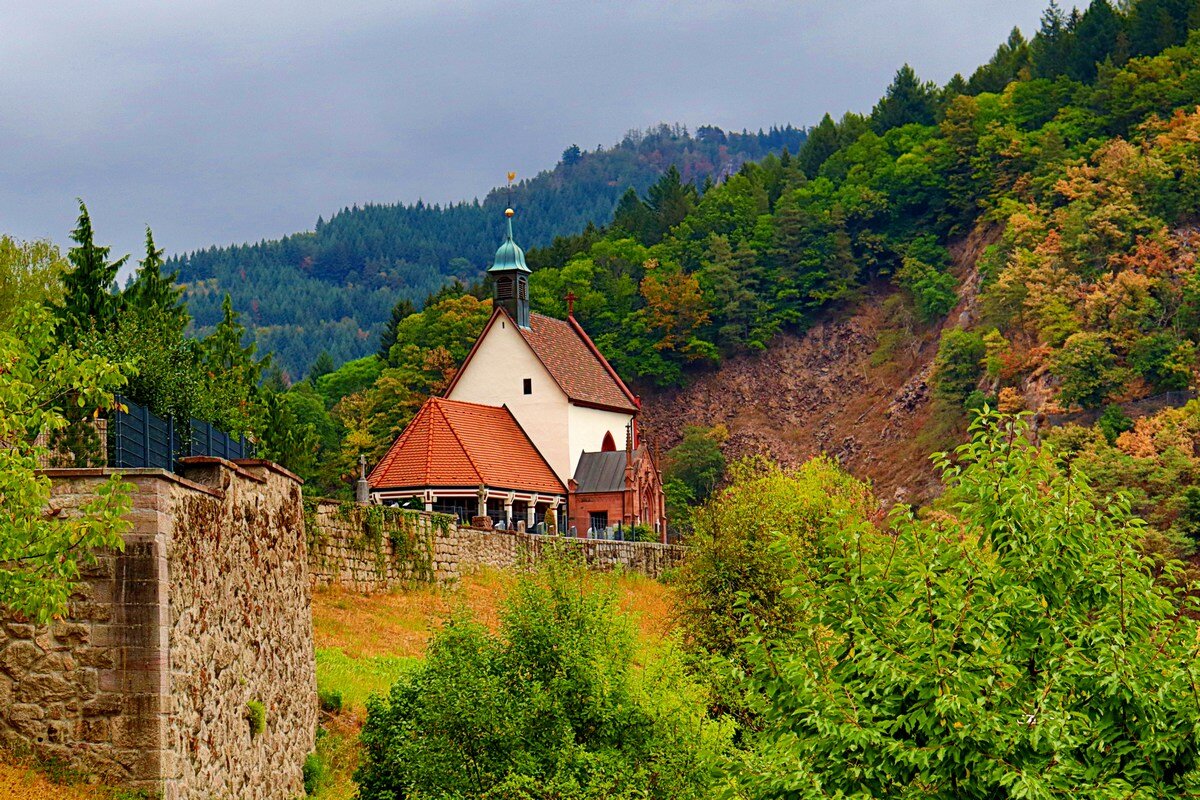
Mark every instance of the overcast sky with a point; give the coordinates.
(218, 122)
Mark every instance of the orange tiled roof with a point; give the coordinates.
(575, 363)
(454, 444)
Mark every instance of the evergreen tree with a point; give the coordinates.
(632, 217)
(1051, 49)
(324, 364)
(89, 298)
(823, 141)
(1096, 38)
(1010, 62)
(1155, 25)
(670, 200)
(151, 292)
(233, 373)
(571, 155)
(403, 308)
(954, 87)
(908, 100)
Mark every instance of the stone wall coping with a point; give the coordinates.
(564, 538)
(217, 461)
(270, 466)
(67, 473)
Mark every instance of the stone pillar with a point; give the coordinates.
(362, 491)
(530, 514)
(481, 508)
(552, 521)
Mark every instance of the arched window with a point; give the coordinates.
(504, 288)
(609, 445)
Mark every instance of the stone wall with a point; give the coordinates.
(372, 548)
(147, 682)
(375, 549)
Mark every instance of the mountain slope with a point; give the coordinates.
(332, 288)
(852, 386)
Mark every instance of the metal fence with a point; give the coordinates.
(139, 438)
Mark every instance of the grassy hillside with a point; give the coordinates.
(364, 643)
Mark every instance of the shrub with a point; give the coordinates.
(315, 772)
(958, 365)
(642, 533)
(550, 706)
(1087, 368)
(934, 293)
(697, 462)
(1165, 362)
(984, 650)
(330, 700)
(1113, 422)
(734, 564)
(256, 715)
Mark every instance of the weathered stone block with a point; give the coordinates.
(43, 688)
(18, 657)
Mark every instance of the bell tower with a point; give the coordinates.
(510, 277)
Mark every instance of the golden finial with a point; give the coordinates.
(508, 212)
(512, 176)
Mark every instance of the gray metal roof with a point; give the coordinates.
(601, 472)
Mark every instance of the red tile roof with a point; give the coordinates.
(576, 365)
(453, 444)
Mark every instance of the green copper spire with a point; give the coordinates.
(509, 257)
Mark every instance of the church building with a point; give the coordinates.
(535, 429)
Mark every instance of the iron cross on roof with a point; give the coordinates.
(571, 298)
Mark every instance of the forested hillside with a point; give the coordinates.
(331, 289)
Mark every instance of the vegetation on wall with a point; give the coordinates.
(41, 551)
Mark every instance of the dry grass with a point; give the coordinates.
(20, 780)
(400, 624)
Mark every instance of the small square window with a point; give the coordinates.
(527, 385)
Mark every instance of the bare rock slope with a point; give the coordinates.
(819, 392)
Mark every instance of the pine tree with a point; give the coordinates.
(822, 142)
(1052, 47)
(1155, 25)
(1010, 62)
(150, 292)
(324, 365)
(89, 298)
(631, 216)
(1096, 39)
(403, 309)
(908, 100)
(670, 200)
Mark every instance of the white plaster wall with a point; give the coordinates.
(587, 429)
(494, 377)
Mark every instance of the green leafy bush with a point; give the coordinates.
(958, 365)
(1113, 422)
(315, 772)
(1088, 370)
(330, 700)
(733, 565)
(551, 706)
(1013, 642)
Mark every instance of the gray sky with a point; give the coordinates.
(218, 122)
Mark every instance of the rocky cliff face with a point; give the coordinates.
(833, 390)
